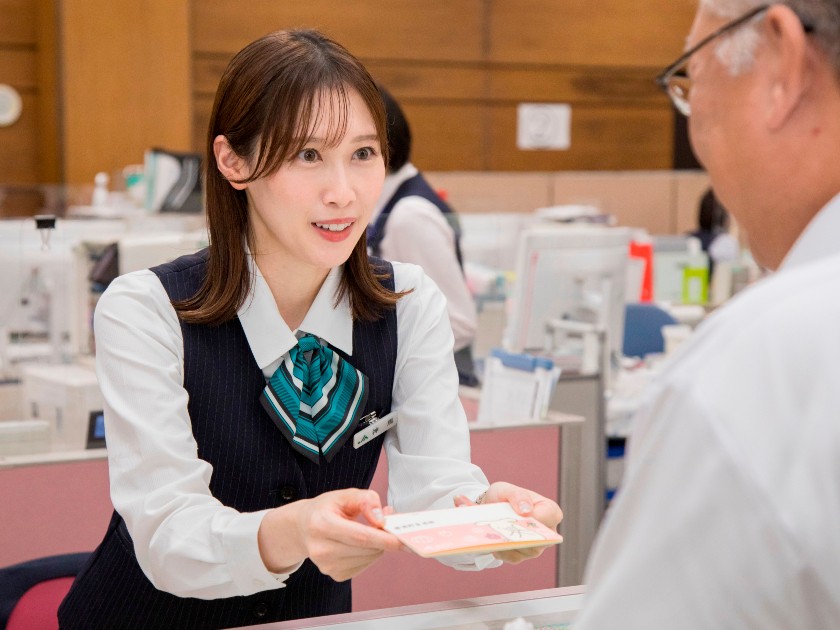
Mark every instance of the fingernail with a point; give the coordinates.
(524, 506)
(377, 514)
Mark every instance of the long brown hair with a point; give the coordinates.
(264, 107)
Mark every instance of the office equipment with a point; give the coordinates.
(24, 437)
(572, 274)
(680, 270)
(64, 395)
(173, 181)
(643, 329)
(516, 387)
(96, 430)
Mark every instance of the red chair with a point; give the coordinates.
(30, 592)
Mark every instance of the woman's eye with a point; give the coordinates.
(308, 155)
(365, 153)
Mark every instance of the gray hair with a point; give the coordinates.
(737, 50)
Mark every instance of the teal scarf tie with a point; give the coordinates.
(315, 398)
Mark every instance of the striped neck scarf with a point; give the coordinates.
(315, 398)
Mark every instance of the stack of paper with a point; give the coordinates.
(516, 387)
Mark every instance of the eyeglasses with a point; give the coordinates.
(674, 80)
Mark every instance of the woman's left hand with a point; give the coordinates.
(526, 503)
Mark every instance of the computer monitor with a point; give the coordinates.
(96, 430)
(571, 272)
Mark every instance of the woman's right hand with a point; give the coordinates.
(340, 531)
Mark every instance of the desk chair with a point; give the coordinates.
(30, 592)
(643, 329)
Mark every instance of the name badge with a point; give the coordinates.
(375, 427)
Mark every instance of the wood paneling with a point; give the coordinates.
(126, 82)
(602, 138)
(17, 68)
(202, 107)
(431, 81)
(446, 30)
(19, 146)
(448, 136)
(19, 141)
(612, 86)
(17, 22)
(460, 68)
(136, 75)
(49, 126)
(618, 33)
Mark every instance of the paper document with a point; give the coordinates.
(470, 529)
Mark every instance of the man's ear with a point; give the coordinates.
(789, 68)
(232, 166)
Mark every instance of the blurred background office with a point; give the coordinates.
(101, 82)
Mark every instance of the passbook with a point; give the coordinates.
(470, 529)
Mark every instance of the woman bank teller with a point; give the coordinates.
(237, 379)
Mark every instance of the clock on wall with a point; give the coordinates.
(10, 105)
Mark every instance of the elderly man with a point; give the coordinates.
(729, 516)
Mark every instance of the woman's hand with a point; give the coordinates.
(526, 503)
(339, 531)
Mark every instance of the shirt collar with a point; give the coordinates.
(392, 182)
(818, 239)
(270, 337)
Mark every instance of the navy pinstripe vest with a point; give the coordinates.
(254, 468)
(416, 186)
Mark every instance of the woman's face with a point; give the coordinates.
(311, 212)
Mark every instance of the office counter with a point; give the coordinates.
(549, 608)
(525, 454)
(59, 502)
(53, 503)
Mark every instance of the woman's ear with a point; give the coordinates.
(232, 166)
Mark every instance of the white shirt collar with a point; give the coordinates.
(271, 338)
(818, 239)
(392, 182)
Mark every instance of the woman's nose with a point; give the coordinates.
(339, 189)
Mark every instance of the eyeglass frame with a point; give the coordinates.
(663, 80)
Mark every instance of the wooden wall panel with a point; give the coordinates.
(50, 167)
(17, 22)
(460, 68)
(602, 138)
(143, 74)
(202, 108)
(613, 86)
(618, 33)
(126, 82)
(19, 146)
(431, 81)
(450, 135)
(17, 68)
(445, 30)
